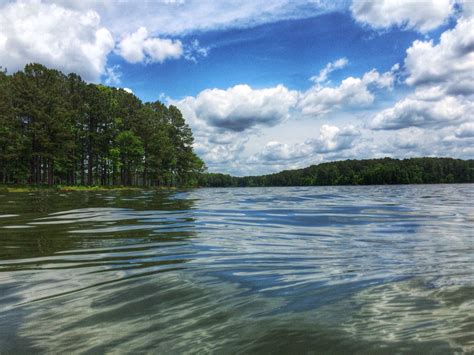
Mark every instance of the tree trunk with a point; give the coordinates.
(90, 160)
(145, 174)
(83, 168)
(50, 172)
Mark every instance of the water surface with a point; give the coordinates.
(383, 269)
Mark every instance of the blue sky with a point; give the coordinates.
(284, 52)
(271, 86)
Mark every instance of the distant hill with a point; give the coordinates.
(357, 172)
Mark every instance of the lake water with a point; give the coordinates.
(366, 269)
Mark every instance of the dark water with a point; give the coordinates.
(270, 270)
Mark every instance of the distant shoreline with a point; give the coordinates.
(384, 171)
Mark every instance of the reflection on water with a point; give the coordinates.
(328, 269)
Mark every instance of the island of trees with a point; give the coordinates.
(358, 172)
(57, 129)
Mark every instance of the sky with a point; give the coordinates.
(272, 85)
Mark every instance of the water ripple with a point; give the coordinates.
(338, 269)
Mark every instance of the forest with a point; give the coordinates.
(57, 129)
(358, 172)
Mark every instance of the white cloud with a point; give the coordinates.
(334, 139)
(466, 130)
(467, 7)
(331, 139)
(275, 151)
(130, 91)
(406, 139)
(449, 63)
(194, 50)
(413, 112)
(331, 142)
(424, 15)
(140, 47)
(240, 107)
(443, 77)
(414, 141)
(180, 17)
(112, 75)
(455, 141)
(65, 39)
(328, 69)
(218, 153)
(219, 118)
(352, 92)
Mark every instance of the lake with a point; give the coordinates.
(254, 270)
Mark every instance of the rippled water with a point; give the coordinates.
(288, 270)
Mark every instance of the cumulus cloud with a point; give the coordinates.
(443, 77)
(334, 139)
(466, 130)
(406, 139)
(240, 107)
(467, 7)
(352, 92)
(66, 39)
(412, 112)
(328, 69)
(422, 16)
(414, 141)
(218, 153)
(275, 151)
(331, 139)
(219, 117)
(449, 63)
(220, 148)
(140, 47)
(455, 141)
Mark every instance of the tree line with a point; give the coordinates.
(357, 172)
(58, 129)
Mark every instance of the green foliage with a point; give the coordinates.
(358, 172)
(57, 129)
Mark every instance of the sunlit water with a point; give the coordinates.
(379, 269)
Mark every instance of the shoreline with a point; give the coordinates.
(60, 188)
